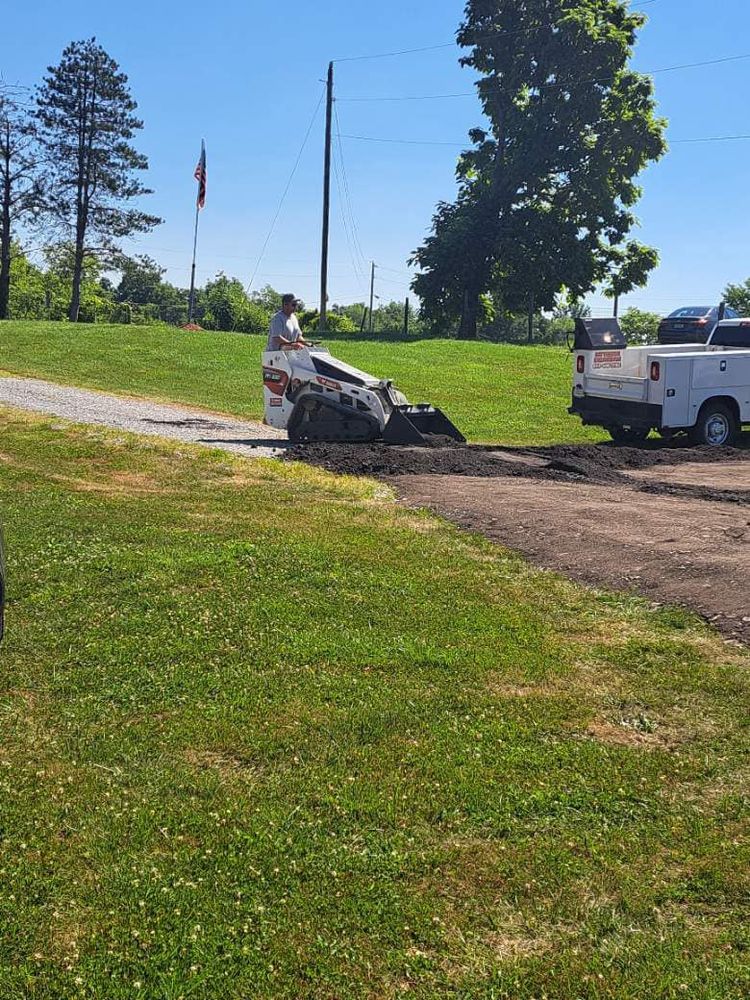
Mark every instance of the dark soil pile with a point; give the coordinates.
(603, 464)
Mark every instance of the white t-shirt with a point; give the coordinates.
(283, 326)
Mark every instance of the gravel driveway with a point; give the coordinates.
(245, 437)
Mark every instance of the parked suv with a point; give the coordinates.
(691, 324)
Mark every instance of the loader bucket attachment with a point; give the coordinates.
(417, 424)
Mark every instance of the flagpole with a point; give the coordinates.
(191, 305)
(200, 176)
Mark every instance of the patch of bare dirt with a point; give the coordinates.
(620, 735)
(672, 523)
(117, 484)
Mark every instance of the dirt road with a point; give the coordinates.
(670, 523)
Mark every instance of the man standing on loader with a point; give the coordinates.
(285, 333)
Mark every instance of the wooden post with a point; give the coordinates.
(372, 292)
(326, 206)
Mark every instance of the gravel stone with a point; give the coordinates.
(243, 437)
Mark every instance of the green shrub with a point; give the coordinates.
(640, 327)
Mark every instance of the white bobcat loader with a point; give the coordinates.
(315, 397)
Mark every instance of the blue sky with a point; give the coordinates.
(246, 76)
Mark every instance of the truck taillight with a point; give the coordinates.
(580, 364)
(655, 371)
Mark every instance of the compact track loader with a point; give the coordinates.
(315, 397)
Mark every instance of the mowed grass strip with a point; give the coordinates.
(263, 733)
(492, 392)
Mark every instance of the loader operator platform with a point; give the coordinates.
(285, 333)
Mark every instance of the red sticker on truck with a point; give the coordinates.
(608, 359)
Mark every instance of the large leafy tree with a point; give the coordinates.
(20, 187)
(630, 267)
(547, 189)
(86, 121)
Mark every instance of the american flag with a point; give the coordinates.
(200, 176)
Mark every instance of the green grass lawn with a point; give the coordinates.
(514, 395)
(264, 733)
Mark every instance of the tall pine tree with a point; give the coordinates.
(86, 122)
(547, 191)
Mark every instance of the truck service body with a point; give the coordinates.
(702, 389)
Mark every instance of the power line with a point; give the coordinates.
(424, 97)
(549, 86)
(359, 276)
(454, 42)
(394, 270)
(286, 190)
(466, 144)
(357, 245)
(406, 142)
(713, 138)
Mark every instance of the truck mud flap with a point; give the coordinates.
(417, 424)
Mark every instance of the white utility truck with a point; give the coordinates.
(699, 389)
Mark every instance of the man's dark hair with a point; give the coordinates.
(286, 299)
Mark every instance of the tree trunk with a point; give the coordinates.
(469, 315)
(75, 298)
(5, 244)
(531, 318)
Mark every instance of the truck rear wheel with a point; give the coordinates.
(716, 426)
(628, 435)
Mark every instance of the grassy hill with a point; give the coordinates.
(514, 395)
(266, 734)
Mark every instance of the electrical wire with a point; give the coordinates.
(465, 145)
(452, 44)
(286, 191)
(406, 142)
(348, 195)
(358, 274)
(548, 86)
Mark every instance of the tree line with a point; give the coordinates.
(69, 169)
(544, 212)
(138, 293)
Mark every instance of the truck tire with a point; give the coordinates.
(716, 426)
(628, 435)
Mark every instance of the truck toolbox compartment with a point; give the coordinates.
(619, 387)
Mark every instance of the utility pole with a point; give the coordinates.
(406, 317)
(326, 206)
(372, 291)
